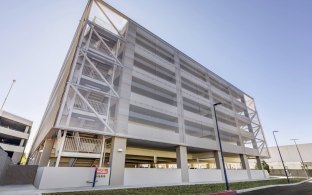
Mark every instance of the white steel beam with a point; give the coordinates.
(99, 36)
(93, 110)
(102, 158)
(102, 77)
(99, 6)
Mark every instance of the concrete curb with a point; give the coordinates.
(270, 186)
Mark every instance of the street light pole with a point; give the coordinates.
(7, 94)
(300, 157)
(221, 151)
(280, 156)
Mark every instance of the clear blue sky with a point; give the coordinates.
(263, 47)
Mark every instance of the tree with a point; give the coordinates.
(23, 159)
(266, 166)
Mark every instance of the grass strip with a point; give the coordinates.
(182, 189)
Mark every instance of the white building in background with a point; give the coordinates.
(14, 133)
(290, 156)
(126, 100)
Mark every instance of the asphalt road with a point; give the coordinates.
(301, 189)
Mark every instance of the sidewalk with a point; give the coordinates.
(31, 190)
(19, 190)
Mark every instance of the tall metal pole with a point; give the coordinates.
(305, 170)
(221, 151)
(6, 97)
(280, 156)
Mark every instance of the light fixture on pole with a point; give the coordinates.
(304, 168)
(280, 156)
(6, 97)
(221, 151)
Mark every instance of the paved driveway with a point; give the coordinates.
(301, 189)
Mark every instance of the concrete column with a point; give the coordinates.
(179, 98)
(259, 164)
(17, 157)
(124, 89)
(117, 160)
(46, 152)
(102, 158)
(182, 162)
(245, 164)
(23, 140)
(26, 129)
(218, 159)
(60, 149)
(36, 161)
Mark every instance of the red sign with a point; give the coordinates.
(100, 171)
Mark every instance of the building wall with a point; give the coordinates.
(157, 93)
(14, 134)
(122, 82)
(290, 156)
(68, 177)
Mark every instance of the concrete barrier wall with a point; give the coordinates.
(71, 177)
(19, 174)
(68, 177)
(267, 175)
(237, 175)
(4, 165)
(205, 175)
(291, 172)
(38, 176)
(146, 176)
(257, 174)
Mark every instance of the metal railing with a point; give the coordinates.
(82, 145)
(243, 118)
(89, 72)
(101, 108)
(100, 47)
